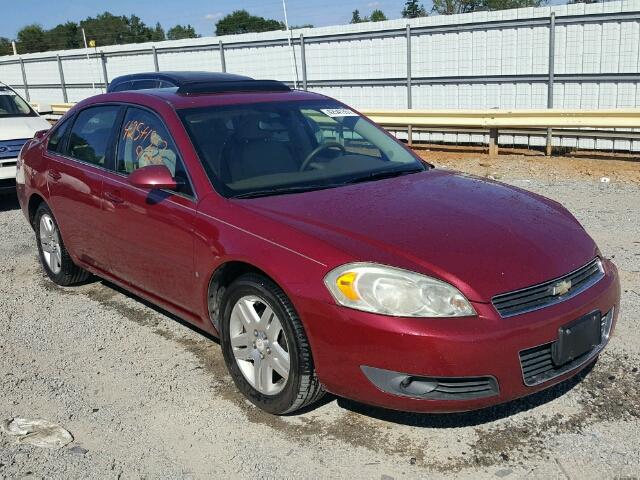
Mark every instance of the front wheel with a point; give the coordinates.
(265, 346)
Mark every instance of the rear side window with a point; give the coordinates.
(91, 133)
(145, 141)
(56, 140)
(144, 84)
(121, 87)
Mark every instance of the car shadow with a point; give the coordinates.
(153, 307)
(8, 202)
(421, 420)
(468, 419)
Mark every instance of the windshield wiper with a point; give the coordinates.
(285, 190)
(383, 174)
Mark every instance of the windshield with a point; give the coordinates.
(11, 105)
(285, 147)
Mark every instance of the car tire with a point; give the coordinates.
(54, 257)
(256, 293)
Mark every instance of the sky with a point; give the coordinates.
(202, 14)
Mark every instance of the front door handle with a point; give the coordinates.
(113, 198)
(55, 175)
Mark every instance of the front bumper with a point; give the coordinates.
(7, 177)
(483, 347)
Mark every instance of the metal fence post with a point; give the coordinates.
(24, 80)
(155, 58)
(63, 85)
(303, 61)
(104, 70)
(552, 42)
(409, 100)
(223, 63)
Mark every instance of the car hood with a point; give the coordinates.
(14, 128)
(482, 236)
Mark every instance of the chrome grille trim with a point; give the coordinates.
(541, 295)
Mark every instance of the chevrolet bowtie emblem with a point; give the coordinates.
(561, 288)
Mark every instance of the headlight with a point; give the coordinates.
(396, 292)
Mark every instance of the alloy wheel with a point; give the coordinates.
(259, 345)
(50, 244)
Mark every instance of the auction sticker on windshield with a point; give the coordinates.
(339, 112)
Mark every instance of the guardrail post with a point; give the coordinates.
(63, 85)
(409, 99)
(552, 42)
(155, 58)
(493, 142)
(24, 80)
(223, 63)
(103, 60)
(303, 60)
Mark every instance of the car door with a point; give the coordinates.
(77, 153)
(152, 231)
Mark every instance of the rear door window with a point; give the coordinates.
(91, 134)
(143, 141)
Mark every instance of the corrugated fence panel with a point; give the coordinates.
(122, 65)
(480, 60)
(11, 74)
(207, 60)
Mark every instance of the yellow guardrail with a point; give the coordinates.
(551, 118)
(493, 120)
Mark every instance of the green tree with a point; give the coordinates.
(180, 32)
(157, 34)
(242, 21)
(5, 46)
(378, 16)
(109, 29)
(413, 9)
(64, 36)
(355, 17)
(32, 38)
(450, 7)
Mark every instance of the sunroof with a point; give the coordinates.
(203, 87)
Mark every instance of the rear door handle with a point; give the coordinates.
(55, 175)
(113, 198)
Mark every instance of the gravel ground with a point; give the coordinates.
(146, 396)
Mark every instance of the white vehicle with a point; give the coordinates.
(18, 123)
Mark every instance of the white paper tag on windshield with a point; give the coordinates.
(7, 93)
(338, 112)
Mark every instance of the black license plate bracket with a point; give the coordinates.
(577, 338)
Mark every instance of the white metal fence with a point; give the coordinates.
(569, 56)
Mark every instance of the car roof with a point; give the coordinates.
(180, 101)
(180, 77)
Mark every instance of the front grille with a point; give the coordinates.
(9, 149)
(545, 294)
(463, 388)
(537, 364)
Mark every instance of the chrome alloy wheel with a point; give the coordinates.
(50, 244)
(259, 345)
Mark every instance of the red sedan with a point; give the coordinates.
(325, 255)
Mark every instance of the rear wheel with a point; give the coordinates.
(53, 255)
(265, 346)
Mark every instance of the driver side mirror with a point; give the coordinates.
(153, 177)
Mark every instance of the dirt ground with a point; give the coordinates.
(144, 396)
(521, 163)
